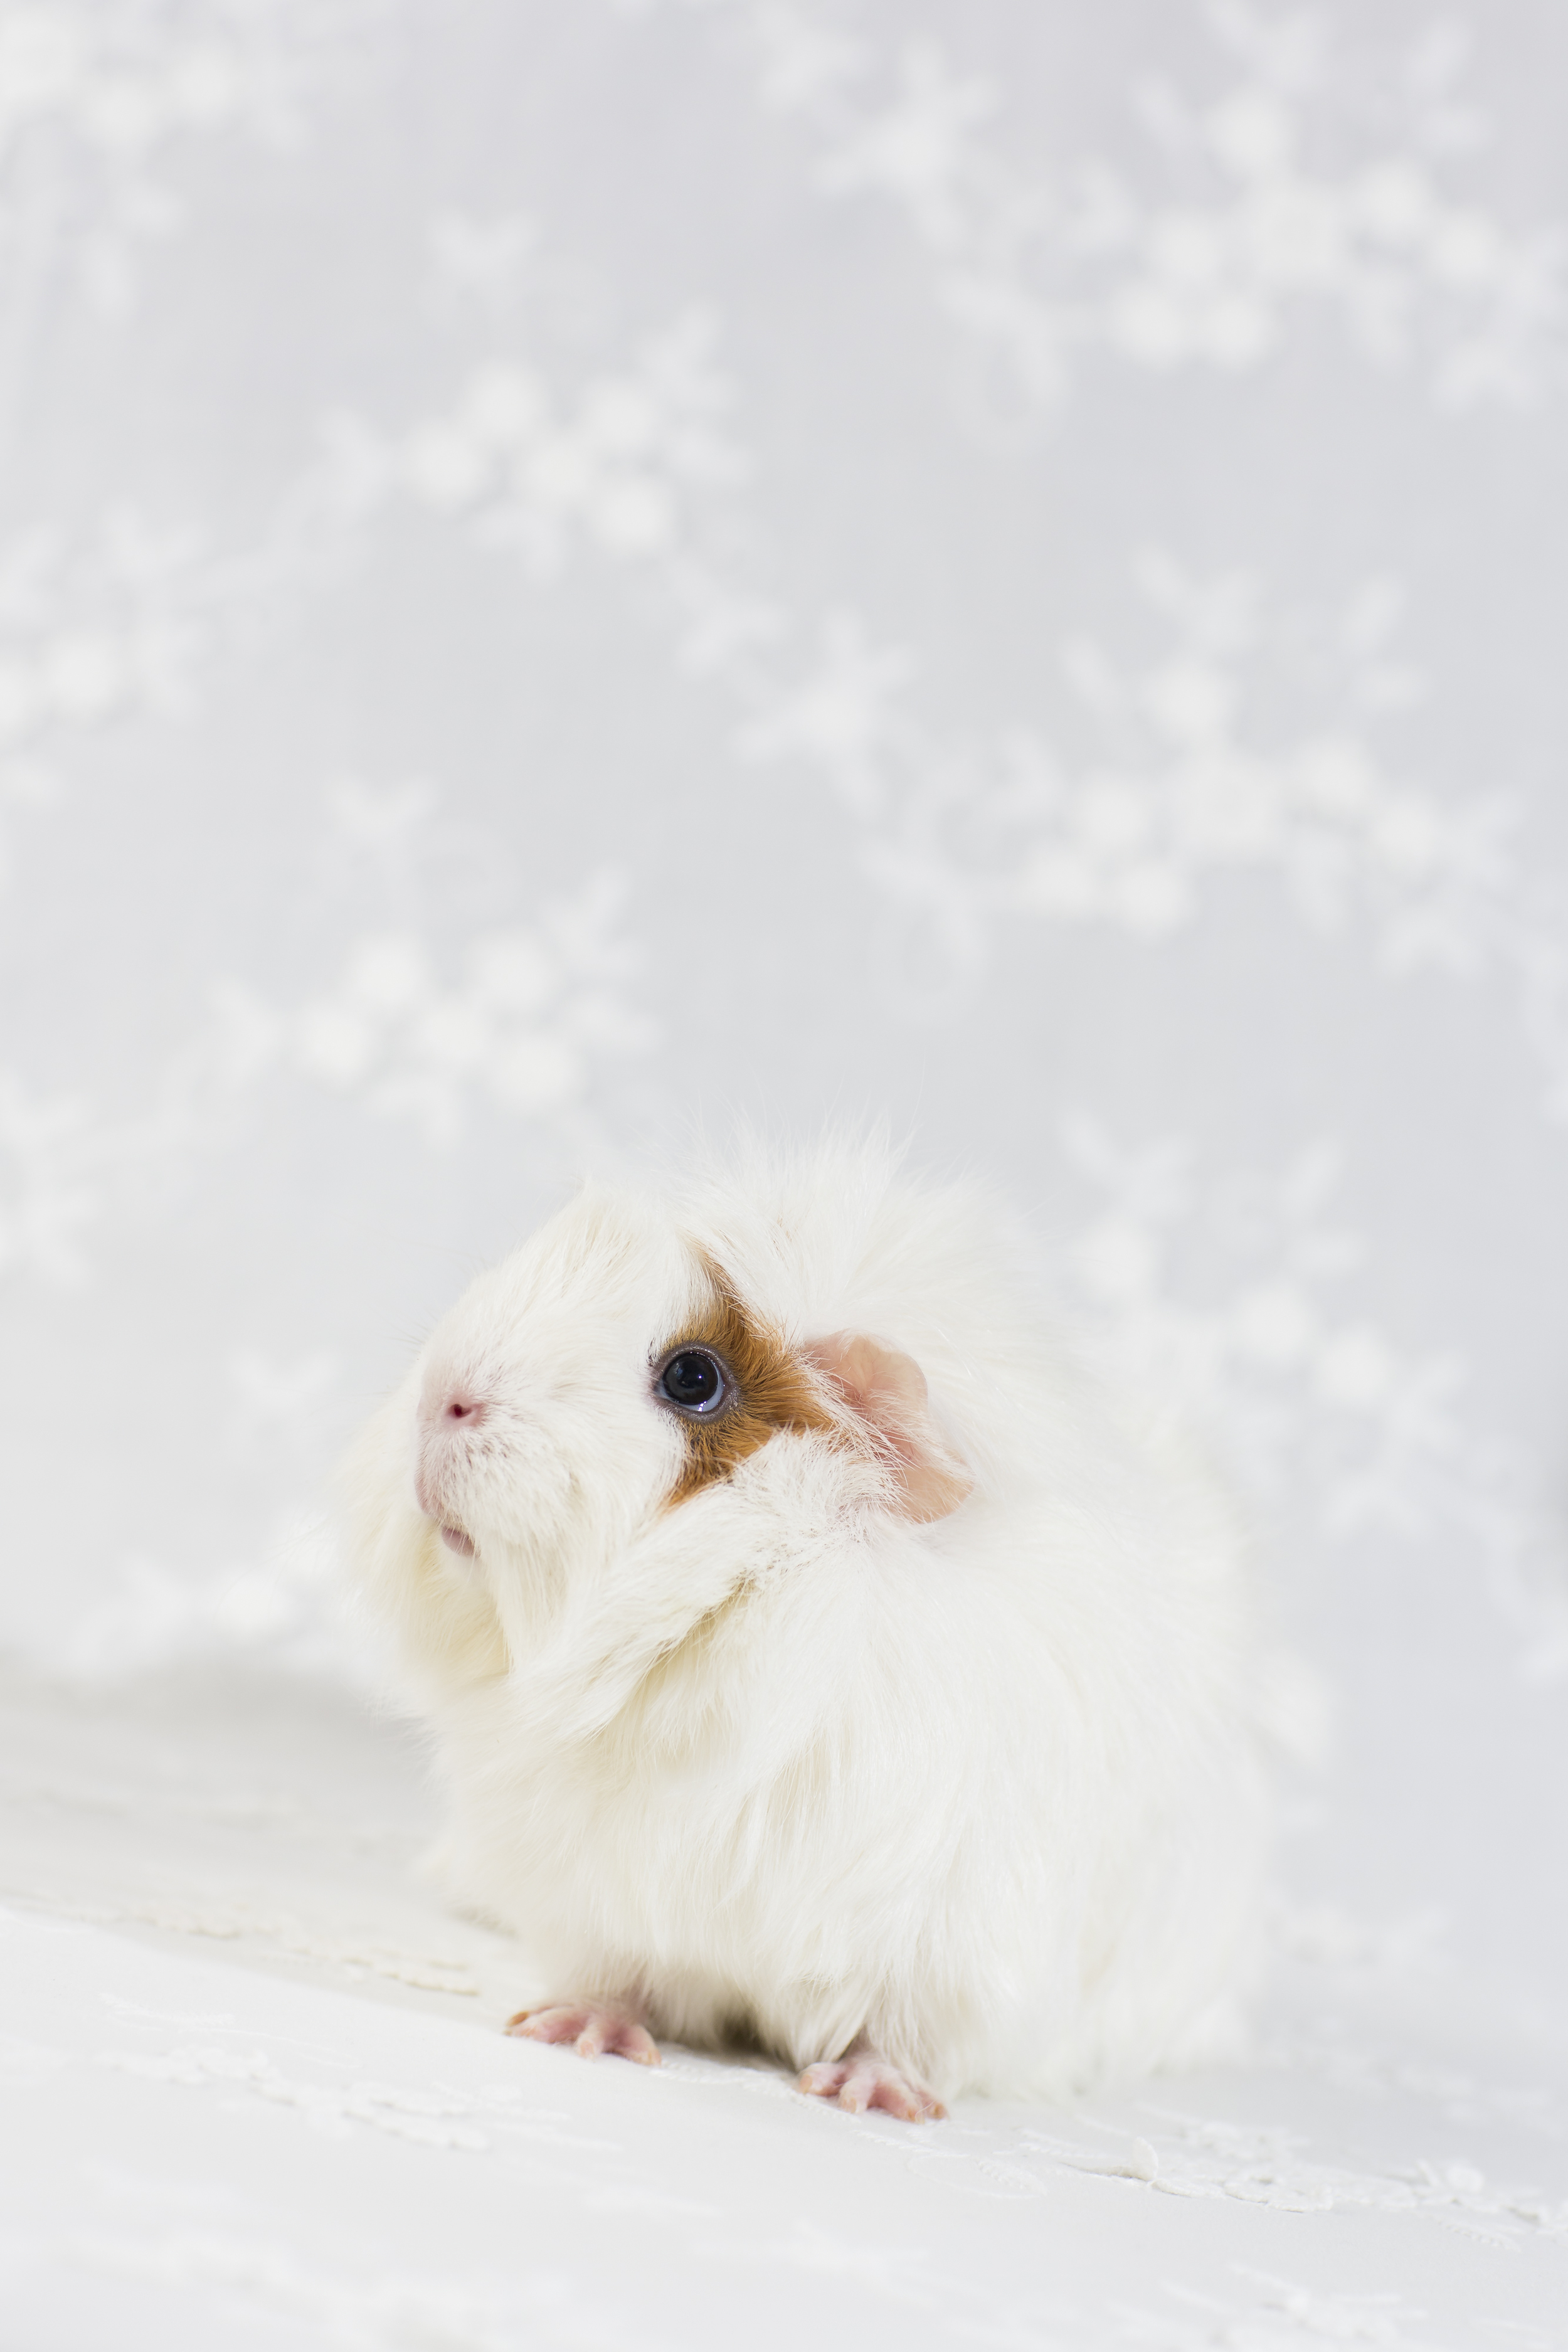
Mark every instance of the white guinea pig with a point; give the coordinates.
(814, 1656)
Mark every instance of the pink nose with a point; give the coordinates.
(448, 1410)
(450, 1407)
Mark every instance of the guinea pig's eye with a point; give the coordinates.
(693, 1380)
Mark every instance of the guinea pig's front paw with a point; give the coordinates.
(864, 2078)
(592, 2027)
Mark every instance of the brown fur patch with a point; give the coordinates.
(773, 1389)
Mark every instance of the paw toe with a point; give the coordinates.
(861, 2083)
(591, 2031)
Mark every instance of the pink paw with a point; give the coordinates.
(591, 2028)
(862, 2079)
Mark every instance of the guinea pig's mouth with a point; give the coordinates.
(425, 1495)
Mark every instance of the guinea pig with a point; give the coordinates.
(816, 1656)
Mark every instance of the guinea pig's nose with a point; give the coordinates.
(451, 1404)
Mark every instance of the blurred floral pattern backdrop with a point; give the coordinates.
(571, 571)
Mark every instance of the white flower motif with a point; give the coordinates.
(90, 633)
(96, 630)
(1320, 175)
(1219, 1294)
(917, 149)
(91, 98)
(536, 1017)
(484, 259)
(1189, 2156)
(619, 466)
(804, 64)
(840, 715)
(534, 1011)
(955, 839)
(1187, 787)
(66, 1164)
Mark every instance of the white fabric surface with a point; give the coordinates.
(255, 2093)
(569, 569)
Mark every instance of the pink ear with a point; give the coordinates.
(887, 1392)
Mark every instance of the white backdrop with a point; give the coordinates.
(570, 568)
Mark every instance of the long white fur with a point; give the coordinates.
(777, 1758)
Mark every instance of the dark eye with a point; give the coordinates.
(693, 1380)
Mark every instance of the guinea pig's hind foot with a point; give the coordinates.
(592, 2028)
(863, 2078)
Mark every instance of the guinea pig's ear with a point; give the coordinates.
(886, 1392)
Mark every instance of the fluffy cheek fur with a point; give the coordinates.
(550, 1488)
(443, 1624)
